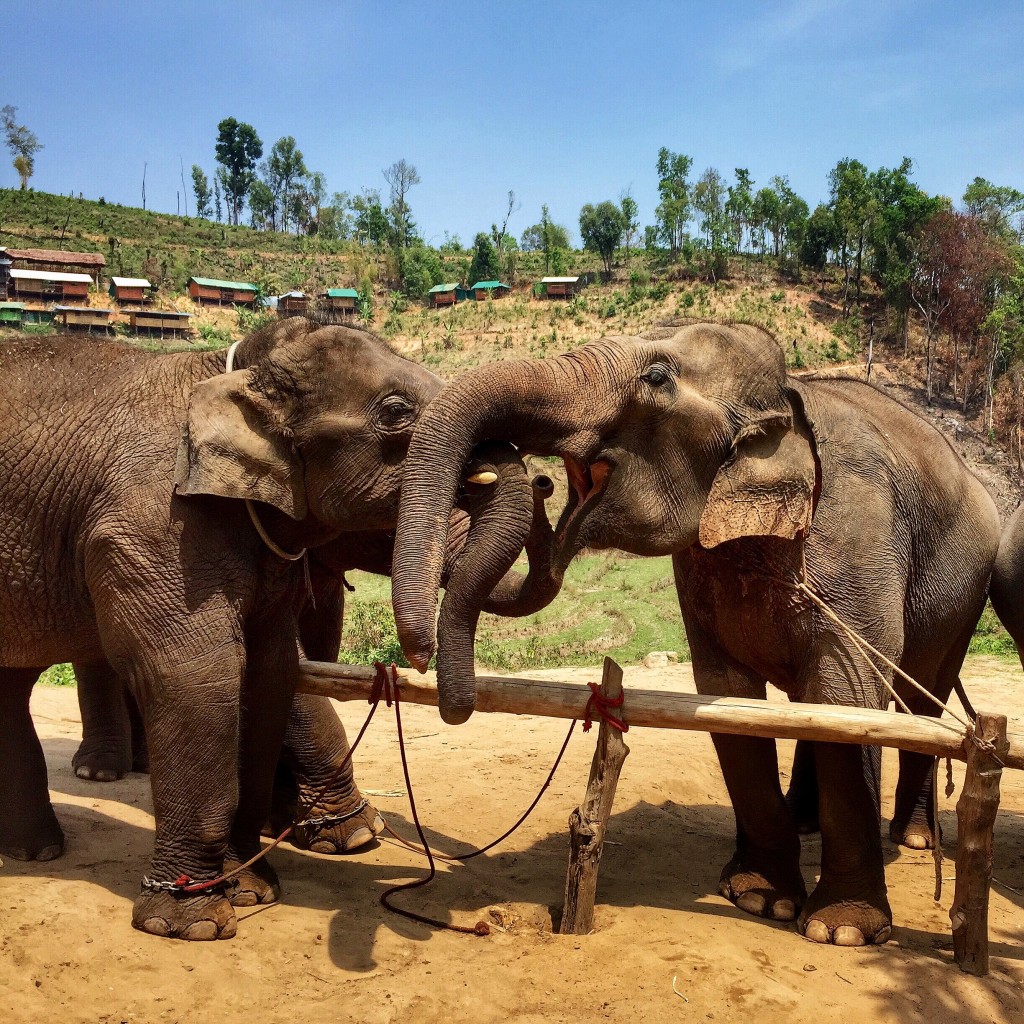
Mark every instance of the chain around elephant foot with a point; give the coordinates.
(764, 884)
(846, 913)
(175, 915)
(338, 829)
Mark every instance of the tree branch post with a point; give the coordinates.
(976, 816)
(587, 824)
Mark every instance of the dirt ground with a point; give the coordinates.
(666, 946)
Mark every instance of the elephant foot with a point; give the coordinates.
(199, 918)
(45, 841)
(258, 885)
(761, 886)
(914, 835)
(101, 760)
(846, 914)
(341, 829)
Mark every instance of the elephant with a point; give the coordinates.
(173, 554)
(1007, 589)
(698, 444)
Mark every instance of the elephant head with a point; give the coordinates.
(699, 438)
(314, 421)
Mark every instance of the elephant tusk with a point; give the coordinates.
(484, 476)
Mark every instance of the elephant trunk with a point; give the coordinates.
(500, 520)
(526, 402)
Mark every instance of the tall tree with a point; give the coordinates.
(739, 205)
(485, 265)
(217, 207)
(852, 205)
(401, 176)
(998, 207)
(602, 228)
(201, 188)
(370, 221)
(673, 212)
(22, 143)
(498, 234)
(709, 202)
(262, 205)
(238, 149)
(631, 212)
(285, 174)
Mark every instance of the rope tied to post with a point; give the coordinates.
(600, 705)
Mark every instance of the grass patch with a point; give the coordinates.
(58, 675)
(990, 637)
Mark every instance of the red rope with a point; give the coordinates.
(600, 704)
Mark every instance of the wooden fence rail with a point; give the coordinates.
(658, 710)
(976, 809)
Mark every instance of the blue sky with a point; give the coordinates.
(565, 103)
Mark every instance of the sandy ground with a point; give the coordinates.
(330, 952)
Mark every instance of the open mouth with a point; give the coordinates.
(587, 483)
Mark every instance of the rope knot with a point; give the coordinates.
(599, 704)
(382, 685)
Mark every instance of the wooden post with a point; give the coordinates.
(588, 822)
(976, 816)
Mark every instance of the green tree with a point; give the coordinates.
(998, 207)
(602, 228)
(545, 236)
(262, 205)
(336, 220)
(401, 176)
(217, 208)
(285, 173)
(673, 212)
(22, 143)
(420, 269)
(238, 149)
(820, 238)
(201, 188)
(485, 265)
(631, 212)
(852, 203)
(370, 220)
(739, 205)
(709, 202)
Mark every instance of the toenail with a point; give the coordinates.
(752, 903)
(884, 935)
(816, 931)
(784, 910)
(156, 926)
(201, 931)
(847, 935)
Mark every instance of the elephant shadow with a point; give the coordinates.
(661, 855)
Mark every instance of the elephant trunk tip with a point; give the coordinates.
(456, 714)
(543, 486)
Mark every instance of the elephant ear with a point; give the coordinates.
(233, 445)
(768, 486)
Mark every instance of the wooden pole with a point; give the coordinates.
(660, 710)
(588, 822)
(976, 816)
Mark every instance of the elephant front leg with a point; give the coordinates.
(316, 751)
(802, 796)
(105, 753)
(191, 721)
(849, 905)
(763, 877)
(913, 821)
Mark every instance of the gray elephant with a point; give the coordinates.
(701, 446)
(127, 541)
(1007, 591)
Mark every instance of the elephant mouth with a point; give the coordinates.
(588, 482)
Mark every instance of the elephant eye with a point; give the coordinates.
(656, 375)
(396, 411)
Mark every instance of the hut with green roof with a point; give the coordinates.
(222, 293)
(344, 301)
(489, 290)
(447, 294)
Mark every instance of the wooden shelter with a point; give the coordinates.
(222, 293)
(57, 260)
(130, 289)
(49, 285)
(5, 277)
(341, 300)
(82, 316)
(489, 290)
(446, 295)
(162, 321)
(10, 314)
(560, 287)
(292, 304)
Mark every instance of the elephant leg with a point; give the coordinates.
(28, 827)
(272, 664)
(802, 796)
(316, 752)
(913, 820)
(763, 876)
(316, 771)
(105, 753)
(849, 905)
